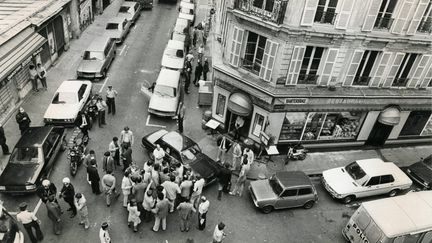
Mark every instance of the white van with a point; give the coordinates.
(401, 219)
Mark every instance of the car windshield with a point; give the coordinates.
(93, 55)
(165, 91)
(355, 171)
(189, 154)
(24, 155)
(112, 26)
(274, 183)
(64, 98)
(123, 9)
(428, 161)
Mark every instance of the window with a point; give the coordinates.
(305, 191)
(289, 193)
(326, 11)
(355, 171)
(373, 181)
(386, 179)
(108, 47)
(123, 9)
(362, 76)
(46, 147)
(258, 125)
(264, 4)
(426, 21)
(93, 55)
(313, 125)
(401, 78)
(24, 155)
(220, 105)
(165, 91)
(384, 17)
(81, 91)
(254, 52)
(292, 126)
(310, 64)
(415, 123)
(112, 26)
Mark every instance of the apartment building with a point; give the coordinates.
(326, 73)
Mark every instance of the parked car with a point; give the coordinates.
(285, 189)
(421, 172)
(32, 159)
(178, 30)
(11, 232)
(145, 4)
(117, 28)
(166, 94)
(182, 150)
(363, 178)
(173, 55)
(97, 58)
(187, 11)
(130, 10)
(68, 100)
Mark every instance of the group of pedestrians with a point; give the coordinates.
(37, 73)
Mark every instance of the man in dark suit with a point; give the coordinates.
(94, 178)
(82, 122)
(23, 120)
(3, 144)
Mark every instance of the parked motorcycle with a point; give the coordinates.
(76, 153)
(297, 152)
(91, 110)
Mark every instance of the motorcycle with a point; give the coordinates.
(91, 110)
(298, 152)
(76, 153)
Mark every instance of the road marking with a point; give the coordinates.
(123, 48)
(134, 26)
(103, 85)
(37, 206)
(153, 125)
(149, 71)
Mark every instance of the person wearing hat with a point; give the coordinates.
(68, 193)
(219, 234)
(101, 106)
(93, 176)
(108, 163)
(81, 204)
(202, 212)
(134, 215)
(110, 99)
(45, 190)
(30, 222)
(54, 214)
(104, 235)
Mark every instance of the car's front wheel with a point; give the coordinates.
(348, 199)
(267, 209)
(393, 192)
(308, 205)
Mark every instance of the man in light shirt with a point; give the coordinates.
(29, 221)
(172, 189)
(219, 234)
(250, 155)
(110, 99)
(126, 136)
(158, 154)
(197, 190)
(202, 213)
(104, 234)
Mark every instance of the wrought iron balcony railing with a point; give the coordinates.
(325, 17)
(276, 15)
(253, 67)
(383, 22)
(361, 80)
(400, 82)
(425, 25)
(307, 79)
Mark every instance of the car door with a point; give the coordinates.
(287, 199)
(386, 183)
(81, 95)
(51, 146)
(372, 187)
(304, 195)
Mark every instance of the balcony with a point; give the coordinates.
(425, 25)
(361, 80)
(400, 82)
(383, 22)
(252, 67)
(276, 15)
(325, 17)
(307, 79)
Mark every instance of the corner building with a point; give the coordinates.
(327, 73)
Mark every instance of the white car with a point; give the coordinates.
(173, 55)
(117, 28)
(130, 10)
(364, 178)
(179, 27)
(187, 11)
(166, 94)
(68, 100)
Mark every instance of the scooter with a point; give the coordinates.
(297, 152)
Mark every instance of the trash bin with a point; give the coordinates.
(205, 93)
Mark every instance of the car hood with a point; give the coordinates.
(90, 66)
(262, 190)
(128, 16)
(178, 36)
(161, 103)
(205, 166)
(340, 181)
(19, 174)
(172, 62)
(62, 111)
(422, 171)
(113, 33)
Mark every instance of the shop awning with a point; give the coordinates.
(240, 104)
(18, 49)
(390, 116)
(51, 10)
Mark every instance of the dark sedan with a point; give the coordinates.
(32, 159)
(421, 172)
(184, 150)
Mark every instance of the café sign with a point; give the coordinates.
(296, 101)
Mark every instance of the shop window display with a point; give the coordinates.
(341, 125)
(220, 106)
(292, 127)
(415, 123)
(313, 125)
(427, 131)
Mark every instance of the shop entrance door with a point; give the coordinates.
(379, 134)
(231, 119)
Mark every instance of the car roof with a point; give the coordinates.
(175, 44)
(128, 4)
(33, 137)
(377, 167)
(168, 77)
(293, 178)
(178, 141)
(182, 22)
(117, 20)
(98, 43)
(188, 5)
(69, 86)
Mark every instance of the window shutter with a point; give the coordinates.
(309, 12)
(371, 15)
(379, 72)
(352, 70)
(393, 69)
(327, 70)
(295, 65)
(236, 46)
(418, 14)
(419, 71)
(270, 51)
(344, 15)
(427, 79)
(402, 16)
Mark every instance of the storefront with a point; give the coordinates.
(86, 14)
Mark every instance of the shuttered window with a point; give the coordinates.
(345, 14)
(295, 65)
(309, 12)
(423, 7)
(254, 52)
(362, 76)
(326, 11)
(384, 18)
(425, 25)
(396, 62)
(427, 81)
(310, 65)
(353, 66)
(327, 70)
(401, 77)
(381, 69)
(268, 60)
(371, 16)
(419, 71)
(236, 46)
(402, 16)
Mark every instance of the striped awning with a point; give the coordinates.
(17, 51)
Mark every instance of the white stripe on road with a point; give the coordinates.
(123, 48)
(103, 85)
(37, 206)
(152, 125)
